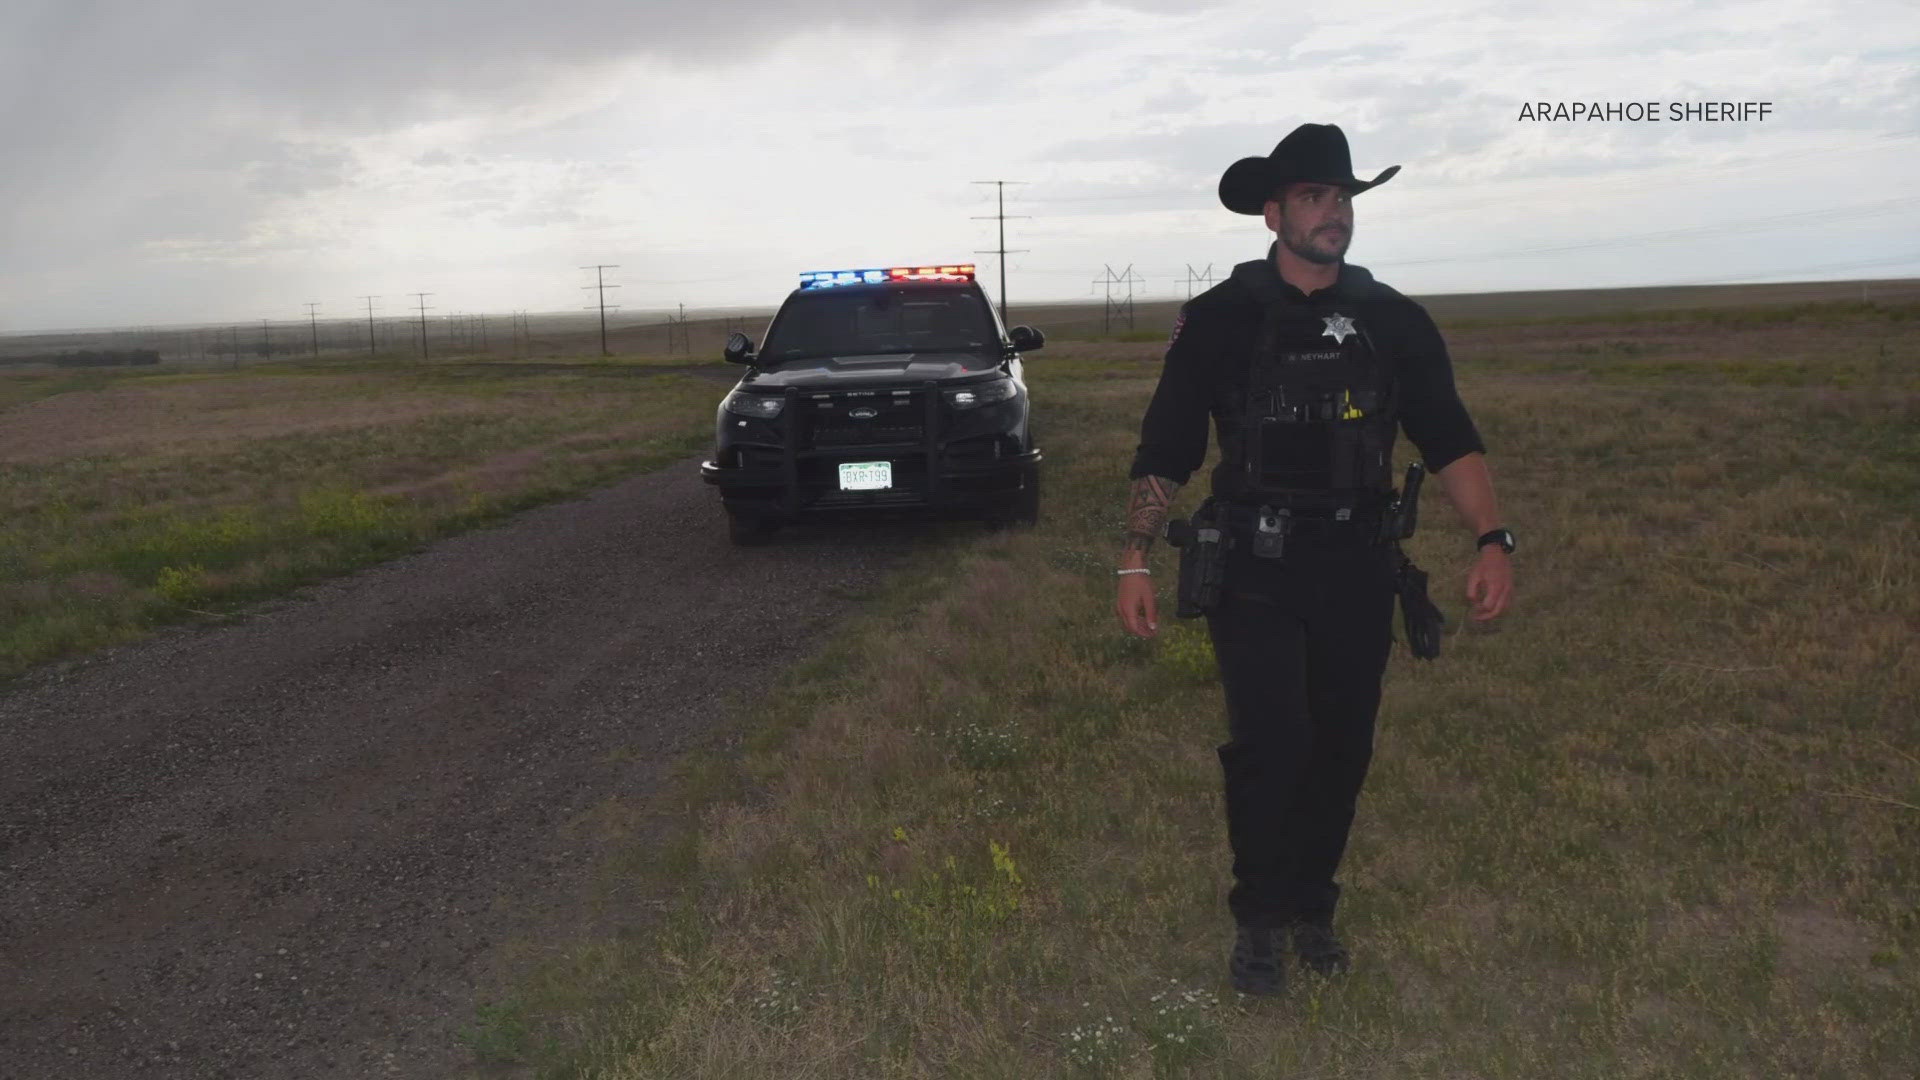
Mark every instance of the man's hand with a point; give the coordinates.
(1489, 583)
(1139, 612)
(1147, 500)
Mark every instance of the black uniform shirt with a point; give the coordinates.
(1205, 372)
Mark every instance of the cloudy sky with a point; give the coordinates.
(218, 160)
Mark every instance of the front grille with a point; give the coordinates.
(897, 416)
(856, 434)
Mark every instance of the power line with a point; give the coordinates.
(314, 325)
(1000, 189)
(422, 297)
(1697, 232)
(600, 283)
(1754, 278)
(369, 300)
(1584, 190)
(678, 325)
(1580, 189)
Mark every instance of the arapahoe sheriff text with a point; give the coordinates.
(1653, 111)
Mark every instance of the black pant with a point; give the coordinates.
(1302, 643)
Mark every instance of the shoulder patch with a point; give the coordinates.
(1179, 321)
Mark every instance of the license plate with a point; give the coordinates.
(866, 475)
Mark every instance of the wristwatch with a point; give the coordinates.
(1503, 537)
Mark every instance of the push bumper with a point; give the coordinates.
(811, 485)
(942, 465)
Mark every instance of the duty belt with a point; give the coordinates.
(1331, 517)
(1350, 524)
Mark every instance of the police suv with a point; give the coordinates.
(882, 389)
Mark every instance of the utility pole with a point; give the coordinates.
(422, 297)
(314, 325)
(1000, 188)
(1204, 277)
(1117, 306)
(680, 325)
(600, 283)
(483, 330)
(370, 300)
(266, 339)
(234, 337)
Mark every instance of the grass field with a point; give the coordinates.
(134, 498)
(1662, 820)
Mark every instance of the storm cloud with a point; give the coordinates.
(207, 159)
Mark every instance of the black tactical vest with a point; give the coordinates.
(1315, 427)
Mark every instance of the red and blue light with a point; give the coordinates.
(826, 279)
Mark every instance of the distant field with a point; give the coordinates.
(1153, 319)
(577, 335)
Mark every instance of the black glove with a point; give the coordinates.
(1423, 621)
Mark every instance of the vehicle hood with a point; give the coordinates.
(854, 372)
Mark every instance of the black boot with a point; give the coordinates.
(1318, 949)
(1256, 964)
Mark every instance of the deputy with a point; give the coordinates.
(1307, 365)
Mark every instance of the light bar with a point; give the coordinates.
(825, 279)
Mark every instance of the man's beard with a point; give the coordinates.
(1300, 246)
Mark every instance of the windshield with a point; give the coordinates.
(893, 320)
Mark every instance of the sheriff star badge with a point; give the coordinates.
(1338, 327)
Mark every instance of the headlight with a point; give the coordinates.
(990, 393)
(759, 406)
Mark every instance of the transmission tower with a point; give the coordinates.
(1203, 277)
(677, 329)
(422, 298)
(1000, 190)
(600, 283)
(1117, 305)
(266, 339)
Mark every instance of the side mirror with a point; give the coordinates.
(1025, 339)
(739, 349)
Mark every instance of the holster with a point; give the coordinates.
(1402, 513)
(1423, 621)
(1203, 541)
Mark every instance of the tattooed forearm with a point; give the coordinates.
(1147, 511)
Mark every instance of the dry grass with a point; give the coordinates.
(133, 498)
(1659, 821)
(172, 415)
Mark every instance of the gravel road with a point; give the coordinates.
(290, 845)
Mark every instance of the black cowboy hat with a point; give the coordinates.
(1312, 152)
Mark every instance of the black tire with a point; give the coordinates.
(748, 530)
(1021, 511)
(1026, 508)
